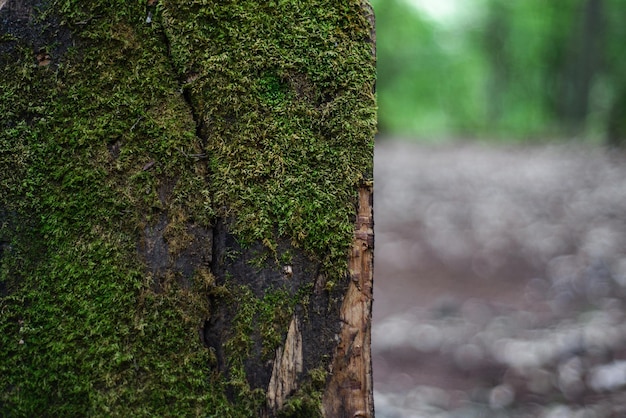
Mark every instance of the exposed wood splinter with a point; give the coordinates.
(287, 366)
(350, 390)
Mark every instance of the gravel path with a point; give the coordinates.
(500, 281)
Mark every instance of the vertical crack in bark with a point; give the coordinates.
(288, 365)
(350, 391)
(185, 91)
(201, 131)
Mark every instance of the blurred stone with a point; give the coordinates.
(427, 395)
(393, 332)
(619, 271)
(608, 377)
(602, 241)
(426, 338)
(501, 396)
(559, 411)
(540, 381)
(570, 377)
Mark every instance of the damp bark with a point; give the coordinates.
(185, 208)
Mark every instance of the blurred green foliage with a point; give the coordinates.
(502, 68)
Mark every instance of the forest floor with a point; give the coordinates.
(500, 281)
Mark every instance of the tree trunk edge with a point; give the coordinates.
(349, 392)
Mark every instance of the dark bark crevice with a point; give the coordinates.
(316, 309)
(185, 91)
(196, 254)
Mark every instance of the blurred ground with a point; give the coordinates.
(500, 281)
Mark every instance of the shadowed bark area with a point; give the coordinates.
(179, 191)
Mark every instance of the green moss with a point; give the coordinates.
(257, 111)
(306, 402)
(303, 406)
(269, 316)
(284, 98)
(82, 333)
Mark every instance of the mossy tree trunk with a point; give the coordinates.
(186, 208)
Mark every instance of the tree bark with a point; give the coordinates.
(186, 223)
(496, 38)
(583, 64)
(616, 124)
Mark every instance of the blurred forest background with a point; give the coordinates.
(525, 70)
(500, 276)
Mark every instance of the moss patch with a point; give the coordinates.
(254, 111)
(81, 331)
(283, 92)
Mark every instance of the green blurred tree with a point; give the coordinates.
(615, 63)
(427, 74)
(511, 69)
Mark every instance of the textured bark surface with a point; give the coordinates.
(179, 184)
(349, 392)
